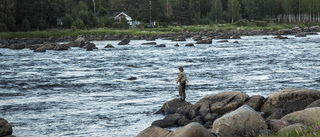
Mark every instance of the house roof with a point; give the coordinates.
(121, 15)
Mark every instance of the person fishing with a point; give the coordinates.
(182, 79)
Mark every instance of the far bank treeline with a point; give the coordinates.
(24, 15)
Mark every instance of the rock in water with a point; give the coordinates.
(5, 128)
(109, 46)
(191, 130)
(244, 121)
(153, 131)
(132, 78)
(172, 106)
(161, 45)
(124, 41)
(292, 99)
(224, 102)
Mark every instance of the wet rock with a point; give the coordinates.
(79, 42)
(285, 32)
(149, 43)
(255, 102)
(297, 127)
(33, 47)
(1, 54)
(5, 46)
(197, 38)
(281, 37)
(61, 47)
(89, 50)
(210, 117)
(18, 46)
(153, 131)
(194, 112)
(198, 119)
(176, 45)
(224, 102)
(109, 46)
(205, 41)
(136, 38)
(236, 42)
(236, 37)
(314, 104)
(204, 109)
(292, 99)
(168, 121)
(5, 128)
(40, 49)
(172, 106)
(244, 121)
(191, 130)
(161, 45)
(307, 116)
(124, 41)
(301, 35)
(48, 46)
(222, 37)
(277, 114)
(189, 44)
(184, 110)
(314, 28)
(275, 124)
(296, 29)
(265, 38)
(132, 78)
(223, 41)
(90, 46)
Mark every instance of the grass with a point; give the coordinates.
(147, 31)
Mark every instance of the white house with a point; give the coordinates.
(129, 19)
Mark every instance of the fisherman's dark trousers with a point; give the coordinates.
(182, 89)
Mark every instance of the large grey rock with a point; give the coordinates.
(79, 42)
(18, 46)
(298, 127)
(292, 99)
(40, 49)
(278, 114)
(153, 131)
(124, 41)
(172, 106)
(191, 130)
(168, 121)
(255, 102)
(184, 110)
(204, 109)
(5, 128)
(224, 102)
(307, 116)
(244, 121)
(61, 47)
(109, 46)
(314, 104)
(275, 124)
(205, 41)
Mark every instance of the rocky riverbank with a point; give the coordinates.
(202, 37)
(236, 114)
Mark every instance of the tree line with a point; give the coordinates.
(24, 15)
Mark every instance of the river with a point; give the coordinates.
(115, 92)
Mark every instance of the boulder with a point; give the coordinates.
(278, 114)
(236, 37)
(307, 116)
(197, 38)
(204, 109)
(244, 121)
(18, 46)
(297, 127)
(149, 43)
(275, 124)
(5, 128)
(197, 119)
(161, 45)
(189, 44)
(172, 106)
(314, 104)
(168, 121)
(109, 46)
(281, 37)
(153, 131)
(79, 42)
(183, 121)
(285, 32)
(255, 102)
(292, 99)
(33, 47)
(40, 49)
(194, 111)
(135, 38)
(206, 41)
(176, 45)
(222, 37)
(48, 46)
(61, 47)
(5, 46)
(184, 110)
(224, 102)
(314, 28)
(124, 41)
(296, 29)
(301, 35)
(191, 130)
(236, 42)
(223, 41)
(210, 117)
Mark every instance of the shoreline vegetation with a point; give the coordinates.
(240, 25)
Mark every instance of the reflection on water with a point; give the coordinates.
(80, 93)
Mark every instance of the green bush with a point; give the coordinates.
(78, 23)
(106, 21)
(117, 25)
(242, 22)
(260, 23)
(25, 25)
(3, 27)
